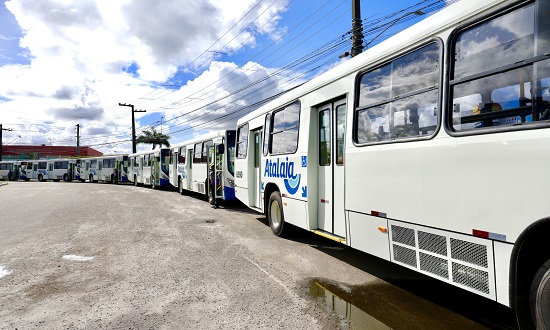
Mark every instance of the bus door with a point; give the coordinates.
(256, 188)
(330, 203)
(215, 158)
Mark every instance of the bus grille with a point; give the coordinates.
(451, 259)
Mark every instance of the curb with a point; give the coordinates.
(3, 183)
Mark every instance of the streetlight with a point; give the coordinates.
(161, 125)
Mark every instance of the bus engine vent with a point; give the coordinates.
(403, 235)
(432, 243)
(471, 277)
(435, 265)
(451, 257)
(470, 252)
(404, 255)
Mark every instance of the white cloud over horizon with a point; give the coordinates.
(79, 53)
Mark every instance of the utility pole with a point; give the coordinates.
(133, 124)
(78, 140)
(1, 131)
(356, 28)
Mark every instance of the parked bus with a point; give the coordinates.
(429, 150)
(8, 170)
(51, 169)
(150, 167)
(111, 169)
(206, 159)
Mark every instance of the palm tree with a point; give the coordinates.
(154, 137)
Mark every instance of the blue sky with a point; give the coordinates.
(197, 65)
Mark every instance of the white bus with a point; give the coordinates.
(8, 169)
(50, 169)
(429, 150)
(191, 162)
(111, 169)
(150, 167)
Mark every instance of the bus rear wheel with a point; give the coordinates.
(275, 214)
(539, 297)
(65, 178)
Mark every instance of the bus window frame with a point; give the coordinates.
(287, 106)
(451, 48)
(439, 89)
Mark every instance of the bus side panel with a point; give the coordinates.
(460, 184)
(295, 212)
(365, 234)
(198, 177)
(503, 254)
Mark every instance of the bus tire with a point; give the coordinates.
(539, 297)
(275, 214)
(153, 186)
(135, 181)
(65, 178)
(40, 178)
(91, 178)
(180, 186)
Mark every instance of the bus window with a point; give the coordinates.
(284, 136)
(340, 133)
(164, 158)
(324, 138)
(230, 145)
(400, 99)
(242, 141)
(205, 146)
(197, 153)
(509, 93)
(267, 129)
(181, 155)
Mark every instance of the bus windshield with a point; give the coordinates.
(230, 151)
(164, 159)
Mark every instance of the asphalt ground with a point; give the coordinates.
(100, 256)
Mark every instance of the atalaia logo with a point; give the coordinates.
(285, 170)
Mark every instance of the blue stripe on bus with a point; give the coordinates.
(228, 193)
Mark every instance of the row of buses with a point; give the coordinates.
(430, 150)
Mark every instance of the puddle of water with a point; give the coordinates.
(380, 305)
(356, 318)
(4, 271)
(76, 258)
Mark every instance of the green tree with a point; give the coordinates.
(153, 137)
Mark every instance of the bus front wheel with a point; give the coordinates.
(539, 297)
(275, 214)
(40, 178)
(180, 186)
(135, 181)
(65, 178)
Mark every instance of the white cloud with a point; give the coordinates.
(78, 49)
